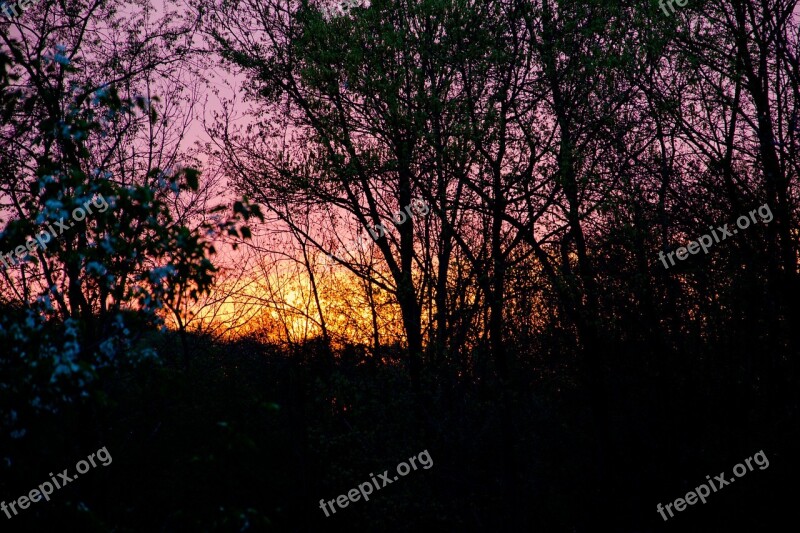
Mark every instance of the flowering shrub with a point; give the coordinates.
(110, 277)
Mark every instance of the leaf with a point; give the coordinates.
(192, 175)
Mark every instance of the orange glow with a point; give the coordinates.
(280, 307)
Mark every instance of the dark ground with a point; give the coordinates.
(250, 439)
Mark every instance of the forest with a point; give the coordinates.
(532, 263)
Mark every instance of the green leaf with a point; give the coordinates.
(192, 180)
